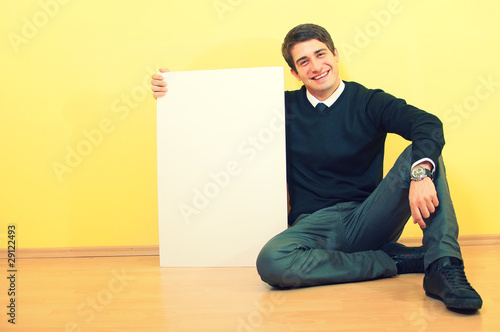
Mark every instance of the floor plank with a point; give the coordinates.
(134, 294)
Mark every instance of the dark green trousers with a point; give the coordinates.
(339, 243)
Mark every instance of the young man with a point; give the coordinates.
(345, 218)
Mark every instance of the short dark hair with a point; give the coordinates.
(301, 33)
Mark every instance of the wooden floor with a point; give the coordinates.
(134, 294)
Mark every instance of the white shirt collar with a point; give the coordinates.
(330, 100)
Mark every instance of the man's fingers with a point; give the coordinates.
(159, 88)
(158, 81)
(421, 223)
(430, 208)
(158, 84)
(157, 95)
(417, 217)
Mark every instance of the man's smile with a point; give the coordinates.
(320, 76)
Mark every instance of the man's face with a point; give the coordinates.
(317, 67)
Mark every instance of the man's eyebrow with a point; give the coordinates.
(305, 57)
(320, 50)
(300, 59)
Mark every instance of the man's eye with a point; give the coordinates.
(302, 63)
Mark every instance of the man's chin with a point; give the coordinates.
(321, 91)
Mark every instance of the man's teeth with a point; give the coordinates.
(320, 76)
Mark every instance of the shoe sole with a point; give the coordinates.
(469, 304)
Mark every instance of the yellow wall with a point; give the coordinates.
(75, 77)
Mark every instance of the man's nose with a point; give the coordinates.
(315, 65)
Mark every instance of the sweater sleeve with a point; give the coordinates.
(394, 115)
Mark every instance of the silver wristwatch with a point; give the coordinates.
(418, 173)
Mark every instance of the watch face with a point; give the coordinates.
(418, 172)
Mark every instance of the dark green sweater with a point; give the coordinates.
(337, 155)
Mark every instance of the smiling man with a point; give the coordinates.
(316, 66)
(345, 217)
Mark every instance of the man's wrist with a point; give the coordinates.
(421, 171)
(426, 164)
(428, 161)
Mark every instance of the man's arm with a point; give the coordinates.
(425, 131)
(423, 198)
(394, 115)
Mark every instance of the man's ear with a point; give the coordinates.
(294, 73)
(336, 55)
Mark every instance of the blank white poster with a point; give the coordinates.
(221, 166)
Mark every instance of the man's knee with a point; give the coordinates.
(268, 266)
(274, 267)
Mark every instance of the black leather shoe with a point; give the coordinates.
(407, 259)
(445, 280)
